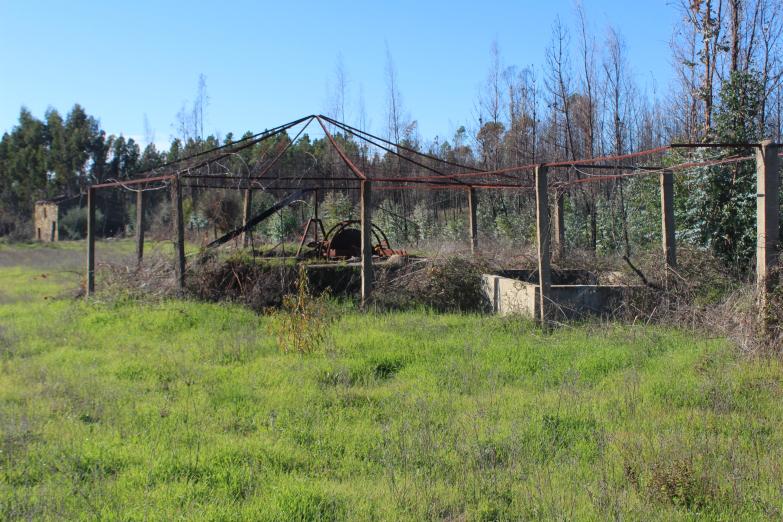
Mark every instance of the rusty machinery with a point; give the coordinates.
(344, 241)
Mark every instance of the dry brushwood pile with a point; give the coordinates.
(241, 280)
(451, 283)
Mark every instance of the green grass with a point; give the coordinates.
(121, 410)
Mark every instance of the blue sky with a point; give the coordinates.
(269, 62)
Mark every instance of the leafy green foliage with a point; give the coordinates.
(336, 207)
(56, 157)
(722, 203)
(73, 224)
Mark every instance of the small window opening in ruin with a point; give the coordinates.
(44, 209)
(39, 233)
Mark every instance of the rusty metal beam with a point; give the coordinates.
(353, 168)
(132, 182)
(713, 145)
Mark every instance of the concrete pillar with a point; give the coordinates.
(472, 223)
(767, 221)
(90, 283)
(179, 232)
(365, 216)
(139, 227)
(542, 242)
(667, 218)
(558, 224)
(246, 208)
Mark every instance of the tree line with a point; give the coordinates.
(584, 102)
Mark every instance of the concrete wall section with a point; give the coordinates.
(510, 296)
(514, 297)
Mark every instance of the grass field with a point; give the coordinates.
(122, 410)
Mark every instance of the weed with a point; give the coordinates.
(302, 324)
(676, 481)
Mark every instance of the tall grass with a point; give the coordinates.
(117, 409)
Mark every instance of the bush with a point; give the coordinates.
(73, 225)
(302, 324)
(16, 229)
(223, 209)
(336, 207)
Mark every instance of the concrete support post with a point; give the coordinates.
(247, 204)
(365, 216)
(767, 222)
(472, 223)
(667, 218)
(90, 282)
(558, 224)
(542, 241)
(179, 233)
(139, 227)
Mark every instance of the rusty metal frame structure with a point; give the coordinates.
(442, 174)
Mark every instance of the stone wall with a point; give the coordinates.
(46, 221)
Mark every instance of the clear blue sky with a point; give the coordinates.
(269, 62)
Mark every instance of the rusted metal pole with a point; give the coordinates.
(246, 208)
(139, 227)
(179, 233)
(90, 283)
(667, 218)
(472, 223)
(365, 216)
(558, 222)
(542, 241)
(315, 213)
(767, 223)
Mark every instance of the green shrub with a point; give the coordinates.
(73, 225)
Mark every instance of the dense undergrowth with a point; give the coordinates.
(121, 409)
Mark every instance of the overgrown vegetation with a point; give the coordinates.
(302, 323)
(450, 283)
(123, 409)
(240, 279)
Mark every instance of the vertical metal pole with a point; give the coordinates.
(667, 218)
(246, 207)
(179, 231)
(767, 222)
(139, 227)
(558, 222)
(472, 223)
(315, 213)
(365, 216)
(542, 241)
(90, 283)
